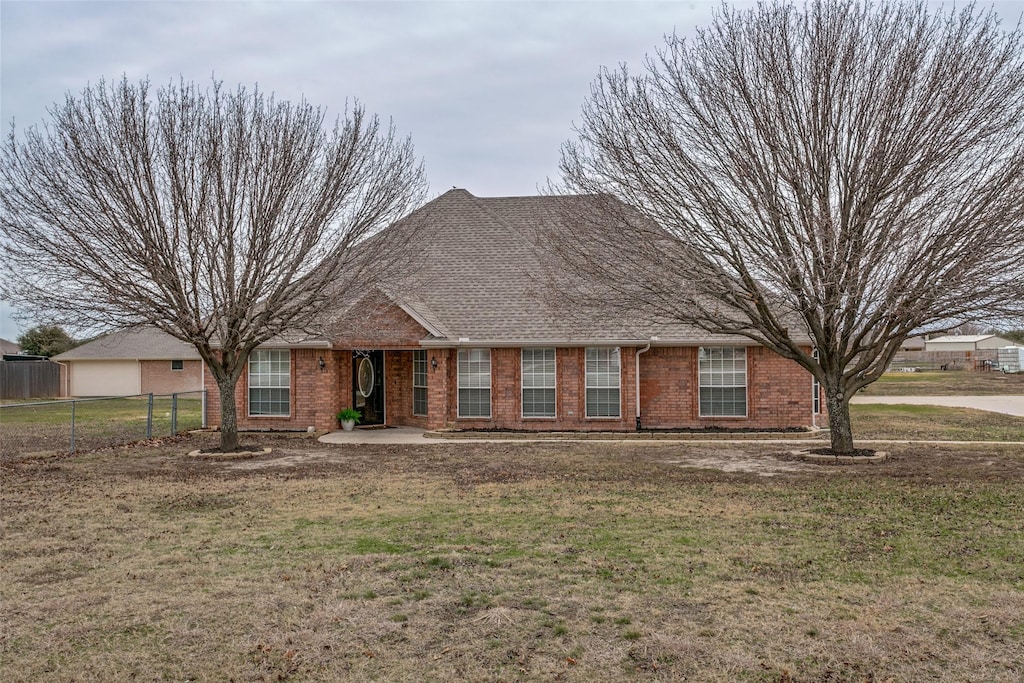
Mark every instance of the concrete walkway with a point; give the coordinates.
(414, 435)
(1010, 405)
(389, 435)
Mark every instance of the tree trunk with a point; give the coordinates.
(840, 430)
(228, 415)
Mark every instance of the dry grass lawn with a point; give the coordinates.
(951, 383)
(504, 562)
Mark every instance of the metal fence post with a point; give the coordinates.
(204, 408)
(149, 418)
(72, 427)
(174, 414)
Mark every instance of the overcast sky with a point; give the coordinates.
(487, 90)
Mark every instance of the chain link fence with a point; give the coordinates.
(86, 423)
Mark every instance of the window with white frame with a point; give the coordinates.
(815, 388)
(419, 382)
(538, 382)
(723, 381)
(474, 382)
(270, 382)
(603, 382)
(177, 365)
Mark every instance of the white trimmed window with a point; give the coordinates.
(419, 382)
(723, 381)
(603, 382)
(474, 382)
(538, 382)
(815, 388)
(177, 365)
(270, 382)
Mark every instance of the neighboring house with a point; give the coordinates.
(130, 362)
(913, 344)
(966, 342)
(9, 348)
(470, 342)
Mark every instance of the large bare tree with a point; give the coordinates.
(225, 218)
(847, 171)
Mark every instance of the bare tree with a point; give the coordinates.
(848, 171)
(223, 218)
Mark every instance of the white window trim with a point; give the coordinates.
(490, 388)
(815, 389)
(522, 385)
(586, 386)
(745, 385)
(249, 387)
(426, 367)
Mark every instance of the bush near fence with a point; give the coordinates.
(84, 424)
(980, 361)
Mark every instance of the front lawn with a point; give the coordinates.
(525, 561)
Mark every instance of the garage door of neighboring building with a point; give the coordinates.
(105, 378)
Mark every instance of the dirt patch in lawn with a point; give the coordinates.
(473, 463)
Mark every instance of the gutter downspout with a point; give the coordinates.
(637, 377)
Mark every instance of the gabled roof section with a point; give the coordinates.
(144, 343)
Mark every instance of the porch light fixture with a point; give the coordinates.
(320, 362)
(433, 363)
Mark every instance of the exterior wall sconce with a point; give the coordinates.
(433, 363)
(320, 362)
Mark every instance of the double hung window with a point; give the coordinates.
(474, 382)
(723, 381)
(603, 382)
(270, 382)
(419, 382)
(538, 382)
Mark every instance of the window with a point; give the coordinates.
(474, 382)
(419, 382)
(538, 382)
(269, 382)
(723, 381)
(603, 383)
(815, 388)
(177, 365)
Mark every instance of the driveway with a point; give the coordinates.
(1010, 405)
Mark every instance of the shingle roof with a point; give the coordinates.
(145, 343)
(9, 347)
(482, 278)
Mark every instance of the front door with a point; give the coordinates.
(368, 386)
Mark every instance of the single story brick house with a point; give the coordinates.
(130, 362)
(469, 342)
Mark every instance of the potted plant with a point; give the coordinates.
(348, 417)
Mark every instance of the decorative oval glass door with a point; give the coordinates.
(368, 386)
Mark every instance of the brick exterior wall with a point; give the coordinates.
(315, 398)
(778, 391)
(158, 378)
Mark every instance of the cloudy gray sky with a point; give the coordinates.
(488, 90)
